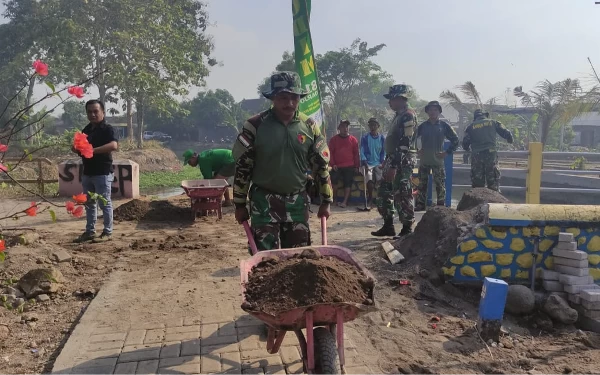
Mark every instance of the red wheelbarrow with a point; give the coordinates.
(324, 323)
(205, 195)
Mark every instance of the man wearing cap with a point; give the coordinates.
(344, 160)
(431, 155)
(372, 156)
(395, 192)
(273, 152)
(214, 164)
(480, 138)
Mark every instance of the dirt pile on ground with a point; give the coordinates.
(164, 210)
(152, 159)
(478, 196)
(305, 279)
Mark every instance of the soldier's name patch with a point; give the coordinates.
(319, 144)
(244, 140)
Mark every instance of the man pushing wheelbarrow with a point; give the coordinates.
(273, 152)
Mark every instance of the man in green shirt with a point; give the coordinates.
(213, 164)
(480, 138)
(273, 153)
(431, 155)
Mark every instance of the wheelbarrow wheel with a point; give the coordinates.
(326, 355)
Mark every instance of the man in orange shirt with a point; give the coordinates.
(344, 160)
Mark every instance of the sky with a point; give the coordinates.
(433, 45)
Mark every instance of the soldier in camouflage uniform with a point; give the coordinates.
(431, 155)
(480, 138)
(273, 153)
(395, 191)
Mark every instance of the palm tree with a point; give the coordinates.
(472, 100)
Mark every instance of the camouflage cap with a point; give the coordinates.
(479, 113)
(285, 82)
(373, 120)
(433, 103)
(398, 91)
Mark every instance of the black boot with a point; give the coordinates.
(387, 230)
(406, 230)
(420, 207)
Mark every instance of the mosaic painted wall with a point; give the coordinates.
(507, 252)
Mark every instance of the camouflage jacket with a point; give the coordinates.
(401, 137)
(277, 157)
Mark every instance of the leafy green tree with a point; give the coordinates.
(74, 114)
(466, 103)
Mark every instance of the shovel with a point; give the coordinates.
(366, 208)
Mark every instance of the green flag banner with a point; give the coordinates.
(310, 105)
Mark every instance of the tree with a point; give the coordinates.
(471, 100)
(74, 115)
(556, 103)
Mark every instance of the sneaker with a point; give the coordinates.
(104, 237)
(85, 237)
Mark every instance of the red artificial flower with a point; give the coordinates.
(70, 205)
(78, 212)
(2, 245)
(32, 211)
(40, 68)
(82, 145)
(76, 91)
(3, 148)
(3, 168)
(80, 198)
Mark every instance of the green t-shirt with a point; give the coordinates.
(211, 161)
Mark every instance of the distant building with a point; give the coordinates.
(587, 130)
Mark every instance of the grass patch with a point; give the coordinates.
(11, 191)
(149, 180)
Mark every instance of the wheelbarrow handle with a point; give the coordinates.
(324, 230)
(251, 241)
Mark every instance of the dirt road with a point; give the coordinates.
(174, 275)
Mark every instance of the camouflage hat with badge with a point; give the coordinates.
(285, 82)
(398, 91)
(479, 113)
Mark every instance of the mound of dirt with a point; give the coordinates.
(477, 196)
(277, 285)
(141, 210)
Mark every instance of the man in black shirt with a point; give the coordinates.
(98, 171)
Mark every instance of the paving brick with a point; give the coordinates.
(253, 330)
(219, 340)
(575, 255)
(575, 280)
(212, 319)
(550, 275)
(552, 286)
(590, 295)
(170, 349)
(248, 320)
(191, 320)
(207, 330)
(219, 349)
(296, 368)
(108, 353)
(190, 347)
(154, 335)
(253, 371)
(95, 363)
(253, 359)
(591, 305)
(231, 361)
(114, 337)
(575, 298)
(126, 368)
(186, 368)
(147, 367)
(279, 370)
(569, 246)
(290, 354)
(183, 329)
(105, 330)
(358, 370)
(95, 370)
(290, 339)
(101, 346)
(249, 342)
(182, 336)
(210, 363)
(147, 326)
(135, 337)
(135, 348)
(140, 355)
(588, 324)
(174, 322)
(572, 270)
(565, 237)
(227, 329)
(574, 289)
(169, 362)
(593, 314)
(571, 262)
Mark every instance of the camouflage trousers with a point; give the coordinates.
(484, 170)
(439, 180)
(397, 196)
(277, 220)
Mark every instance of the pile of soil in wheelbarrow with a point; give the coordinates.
(306, 279)
(162, 210)
(437, 234)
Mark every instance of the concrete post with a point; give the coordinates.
(534, 173)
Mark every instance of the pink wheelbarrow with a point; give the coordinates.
(205, 195)
(323, 346)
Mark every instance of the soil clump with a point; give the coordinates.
(305, 279)
(164, 210)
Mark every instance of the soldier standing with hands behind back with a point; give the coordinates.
(480, 138)
(395, 191)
